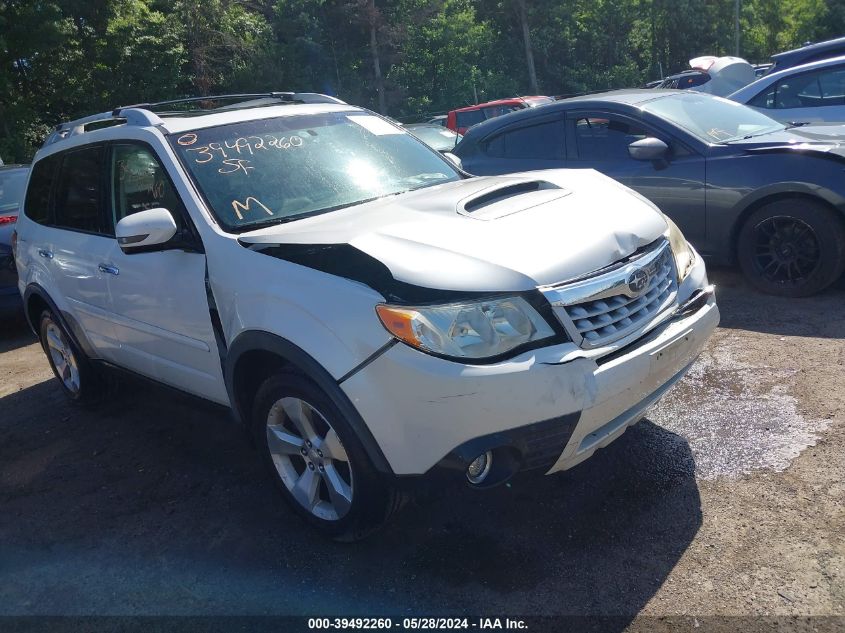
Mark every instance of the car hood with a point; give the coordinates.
(829, 137)
(485, 234)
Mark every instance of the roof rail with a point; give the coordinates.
(142, 113)
(284, 97)
(129, 116)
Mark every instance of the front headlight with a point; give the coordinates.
(474, 329)
(684, 255)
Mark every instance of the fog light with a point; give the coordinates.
(480, 468)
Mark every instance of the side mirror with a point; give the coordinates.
(648, 149)
(140, 231)
(454, 159)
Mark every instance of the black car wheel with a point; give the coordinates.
(317, 461)
(793, 247)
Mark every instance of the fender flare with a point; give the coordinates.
(252, 340)
(70, 325)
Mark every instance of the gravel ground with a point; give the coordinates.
(728, 500)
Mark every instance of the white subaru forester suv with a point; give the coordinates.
(371, 313)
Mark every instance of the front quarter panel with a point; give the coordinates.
(330, 318)
(736, 183)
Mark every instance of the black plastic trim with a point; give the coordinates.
(66, 320)
(252, 340)
(381, 350)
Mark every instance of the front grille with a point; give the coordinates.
(599, 310)
(614, 316)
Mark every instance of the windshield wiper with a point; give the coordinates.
(793, 124)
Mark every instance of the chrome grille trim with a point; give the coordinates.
(602, 309)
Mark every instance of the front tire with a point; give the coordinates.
(794, 247)
(317, 460)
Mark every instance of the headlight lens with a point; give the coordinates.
(684, 255)
(477, 329)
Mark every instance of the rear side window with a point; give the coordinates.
(79, 193)
(543, 141)
(469, 118)
(37, 203)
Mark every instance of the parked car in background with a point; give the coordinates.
(742, 186)
(370, 313)
(12, 184)
(761, 69)
(808, 53)
(462, 119)
(440, 120)
(435, 136)
(718, 76)
(807, 93)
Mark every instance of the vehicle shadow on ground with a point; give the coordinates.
(14, 333)
(818, 316)
(155, 503)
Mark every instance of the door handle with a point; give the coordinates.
(108, 268)
(45, 254)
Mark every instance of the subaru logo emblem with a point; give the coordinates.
(638, 281)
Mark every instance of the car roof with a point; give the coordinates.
(627, 97)
(176, 124)
(795, 56)
(13, 167)
(766, 80)
(486, 104)
(247, 107)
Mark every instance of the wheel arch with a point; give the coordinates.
(254, 355)
(758, 201)
(35, 300)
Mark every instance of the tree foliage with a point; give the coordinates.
(65, 58)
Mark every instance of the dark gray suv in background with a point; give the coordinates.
(741, 186)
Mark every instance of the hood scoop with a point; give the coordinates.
(504, 199)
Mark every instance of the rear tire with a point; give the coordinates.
(80, 381)
(317, 461)
(793, 247)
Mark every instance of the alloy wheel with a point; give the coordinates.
(309, 458)
(786, 250)
(63, 358)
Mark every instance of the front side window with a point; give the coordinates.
(606, 138)
(78, 195)
(276, 170)
(543, 141)
(712, 119)
(139, 182)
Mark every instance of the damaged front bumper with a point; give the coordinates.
(551, 408)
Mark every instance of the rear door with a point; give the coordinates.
(159, 299)
(538, 143)
(600, 140)
(76, 242)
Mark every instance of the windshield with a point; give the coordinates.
(275, 170)
(11, 189)
(712, 119)
(439, 138)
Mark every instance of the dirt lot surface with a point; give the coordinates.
(729, 499)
